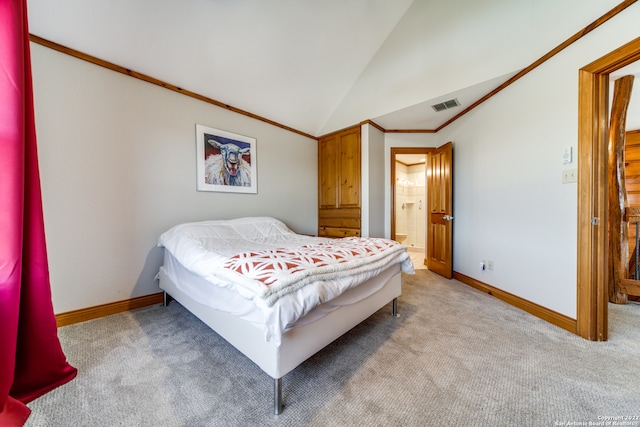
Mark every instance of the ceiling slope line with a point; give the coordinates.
(377, 126)
(586, 30)
(119, 69)
(374, 124)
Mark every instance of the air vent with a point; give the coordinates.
(446, 105)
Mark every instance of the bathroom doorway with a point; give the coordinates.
(409, 200)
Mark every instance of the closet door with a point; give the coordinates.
(350, 169)
(327, 172)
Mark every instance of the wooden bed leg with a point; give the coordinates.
(394, 310)
(277, 395)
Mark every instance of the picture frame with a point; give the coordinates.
(226, 161)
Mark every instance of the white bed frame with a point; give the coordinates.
(297, 344)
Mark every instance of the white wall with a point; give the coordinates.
(103, 216)
(373, 181)
(510, 205)
(117, 158)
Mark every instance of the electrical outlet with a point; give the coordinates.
(482, 265)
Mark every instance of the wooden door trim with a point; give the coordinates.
(593, 259)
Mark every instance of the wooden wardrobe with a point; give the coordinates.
(339, 184)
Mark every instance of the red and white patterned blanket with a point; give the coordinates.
(273, 273)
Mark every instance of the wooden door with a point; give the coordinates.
(327, 168)
(349, 169)
(440, 210)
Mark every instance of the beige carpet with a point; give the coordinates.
(455, 357)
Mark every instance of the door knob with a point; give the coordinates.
(447, 217)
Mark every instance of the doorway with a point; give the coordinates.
(593, 257)
(409, 200)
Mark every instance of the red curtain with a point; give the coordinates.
(31, 358)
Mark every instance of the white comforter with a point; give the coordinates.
(210, 248)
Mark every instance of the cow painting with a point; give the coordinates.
(228, 167)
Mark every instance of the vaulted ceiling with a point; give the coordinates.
(321, 65)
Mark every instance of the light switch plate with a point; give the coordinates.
(569, 175)
(567, 155)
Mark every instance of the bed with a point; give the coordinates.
(275, 295)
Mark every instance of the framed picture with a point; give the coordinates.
(225, 161)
